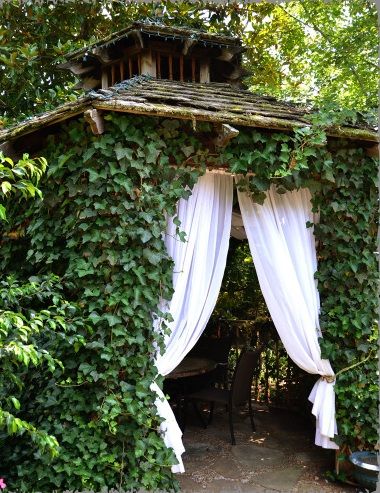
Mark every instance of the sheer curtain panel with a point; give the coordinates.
(284, 254)
(199, 265)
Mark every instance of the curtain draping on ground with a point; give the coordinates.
(198, 272)
(284, 255)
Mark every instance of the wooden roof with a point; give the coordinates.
(213, 102)
(159, 30)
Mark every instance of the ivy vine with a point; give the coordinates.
(100, 228)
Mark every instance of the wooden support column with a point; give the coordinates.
(122, 72)
(171, 67)
(158, 58)
(204, 74)
(113, 74)
(130, 67)
(148, 67)
(193, 69)
(104, 78)
(181, 68)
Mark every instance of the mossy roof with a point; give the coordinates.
(213, 102)
(159, 30)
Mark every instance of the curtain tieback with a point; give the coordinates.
(328, 378)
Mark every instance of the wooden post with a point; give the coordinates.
(104, 78)
(204, 72)
(113, 74)
(158, 66)
(192, 69)
(130, 67)
(122, 73)
(148, 67)
(171, 67)
(181, 68)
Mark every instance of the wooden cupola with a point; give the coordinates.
(162, 52)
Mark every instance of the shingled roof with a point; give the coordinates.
(213, 102)
(160, 30)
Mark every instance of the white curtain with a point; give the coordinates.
(198, 272)
(284, 255)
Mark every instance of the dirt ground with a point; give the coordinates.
(279, 457)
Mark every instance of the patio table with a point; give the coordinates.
(179, 383)
(191, 367)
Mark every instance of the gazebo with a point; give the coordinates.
(163, 133)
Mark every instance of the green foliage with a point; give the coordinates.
(100, 227)
(316, 51)
(240, 295)
(308, 50)
(20, 178)
(21, 326)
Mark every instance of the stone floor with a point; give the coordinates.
(279, 457)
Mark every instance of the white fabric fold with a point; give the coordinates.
(284, 254)
(199, 265)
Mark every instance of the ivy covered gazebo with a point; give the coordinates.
(166, 112)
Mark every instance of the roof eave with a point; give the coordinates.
(71, 109)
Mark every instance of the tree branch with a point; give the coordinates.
(311, 25)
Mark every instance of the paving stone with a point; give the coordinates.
(280, 457)
(199, 448)
(223, 486)
(228, 468)
(323, 487)
(257, 457)
(188, 485)
(284, 480)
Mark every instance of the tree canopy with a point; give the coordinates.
(304, 50)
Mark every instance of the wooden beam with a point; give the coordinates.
(8, 150)
(102, 54)
(138, 37)
(227, 53)
(96, 121)
(187, 45)
(88, 83)
(225, 134)
(247, 120)
(373, 151)
(76, 67)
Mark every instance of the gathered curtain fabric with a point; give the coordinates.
(199, 265)
(284, 254)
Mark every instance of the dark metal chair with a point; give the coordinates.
(218, 350)
(239, 392)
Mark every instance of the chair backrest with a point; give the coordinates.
(243, 375)
(213, 348)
